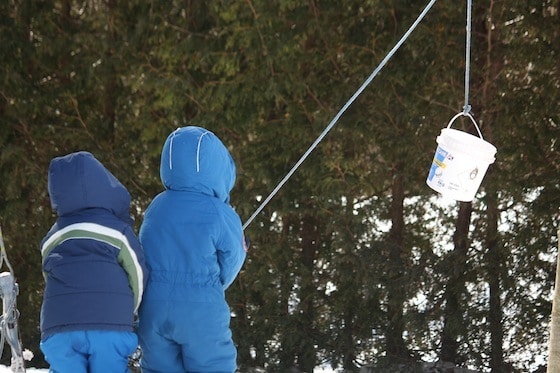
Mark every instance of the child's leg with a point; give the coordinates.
(209, 346)
(109, 350)
(159, 352)
(211, 354)
(66, 352)
(160, 355)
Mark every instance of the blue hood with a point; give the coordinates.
(78, 181)
(194, 159)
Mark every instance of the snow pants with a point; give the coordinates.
(89, 351)
(186, 330)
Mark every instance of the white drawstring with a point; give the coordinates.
(198, 151)
(171, 149)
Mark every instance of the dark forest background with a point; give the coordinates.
(355, 261)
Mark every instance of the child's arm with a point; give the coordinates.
(131, 258)
(230, 248)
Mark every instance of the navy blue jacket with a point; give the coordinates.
(93, 263)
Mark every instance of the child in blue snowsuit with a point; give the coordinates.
(194, 245)
(94, 270)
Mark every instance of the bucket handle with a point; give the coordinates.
(472, 120)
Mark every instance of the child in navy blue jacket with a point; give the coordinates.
(193, 240)
(94, 270)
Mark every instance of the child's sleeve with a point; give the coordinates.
(131, 258)
(230, 247)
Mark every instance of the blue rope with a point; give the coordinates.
(335, 119)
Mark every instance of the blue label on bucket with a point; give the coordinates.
(437, 163)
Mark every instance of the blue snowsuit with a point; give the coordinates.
(94, 270)
(194, 246)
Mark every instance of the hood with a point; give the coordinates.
(194, 159)
(78, 181)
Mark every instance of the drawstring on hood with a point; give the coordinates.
(172, 136)
(198, 151)
(171, 149)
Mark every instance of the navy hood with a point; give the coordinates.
(194, 159)
(78, 181)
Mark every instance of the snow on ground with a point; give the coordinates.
(5, 369)
(28, 355)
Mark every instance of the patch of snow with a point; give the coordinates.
(5, 369)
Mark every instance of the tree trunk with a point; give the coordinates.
(310, 239)
(396, 292)
(453, 326)
(286, 354)
(349, 356)
(554, 343)
(492, 65)
(494, 264)
(110, 77)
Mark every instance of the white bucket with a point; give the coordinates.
(460, 163)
